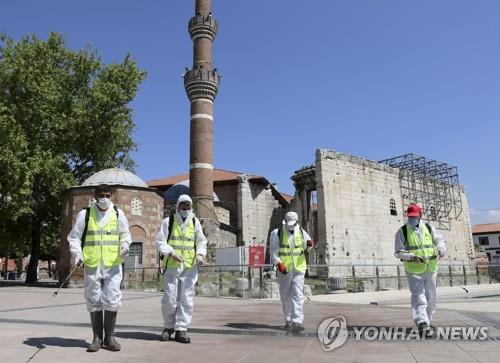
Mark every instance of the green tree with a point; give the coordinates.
(63, 116)
(13, 239)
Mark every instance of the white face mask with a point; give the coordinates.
(413, 221)
(185, 213)
(291, 228)
(103, 203)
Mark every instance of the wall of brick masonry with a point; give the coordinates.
(259, 212)
(145, 226)
(223, 214)
(228, 196)
(354, 219)
(220, 238)
(459, 236)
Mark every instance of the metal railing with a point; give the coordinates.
(261, 281)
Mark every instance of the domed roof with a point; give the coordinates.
(181, 187)
(115, 176)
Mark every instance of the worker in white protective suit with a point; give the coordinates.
(419, 246)
(99, 239)
(288, 245)
(182, 243)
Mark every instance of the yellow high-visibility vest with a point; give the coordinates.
(294, 259)
(183, 244)
(424, 249)
(102, 245)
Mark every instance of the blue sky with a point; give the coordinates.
(370, 78)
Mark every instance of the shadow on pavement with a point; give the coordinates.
(139, 335)
(254, 326)
(44, 342)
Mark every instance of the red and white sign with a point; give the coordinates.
(256, 256)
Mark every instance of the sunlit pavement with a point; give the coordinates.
(37, 327)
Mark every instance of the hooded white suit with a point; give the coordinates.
(179, 290)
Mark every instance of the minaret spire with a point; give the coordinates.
(201, 84)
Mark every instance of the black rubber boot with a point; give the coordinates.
(96, 321)
(423, 327)
(109, 329)
(181, 337)
(166, 335)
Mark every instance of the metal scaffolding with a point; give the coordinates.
(431, 184)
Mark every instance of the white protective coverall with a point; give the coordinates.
(179, 290)
(292, 283)
(102, 285)
(422, 286)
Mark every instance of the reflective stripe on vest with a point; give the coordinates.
(102, 245)
(293, 259)
(183, 244)
(424, 249)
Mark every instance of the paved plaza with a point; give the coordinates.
(37, 327)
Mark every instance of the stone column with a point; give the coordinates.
(244, 196)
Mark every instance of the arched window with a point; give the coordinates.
(136, 206)
(392, 207)
(136, 250)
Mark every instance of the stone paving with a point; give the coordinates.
(37, 327)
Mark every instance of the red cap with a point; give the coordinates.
(414, 211)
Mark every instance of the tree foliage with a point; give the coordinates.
(63, 116)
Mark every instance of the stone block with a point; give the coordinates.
(271, 289)
(207, 289)
(337, 283)
(241, 284)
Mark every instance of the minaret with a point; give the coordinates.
(201, 84)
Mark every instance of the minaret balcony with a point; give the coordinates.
(202, 27)
(201, 83)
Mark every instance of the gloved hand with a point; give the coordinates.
(441, 252)
(199, 260)
(310, 244)
(282, 268)
(176, 258)
(124, 250)
(417, 259)
(404, 256)
(78, 260)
